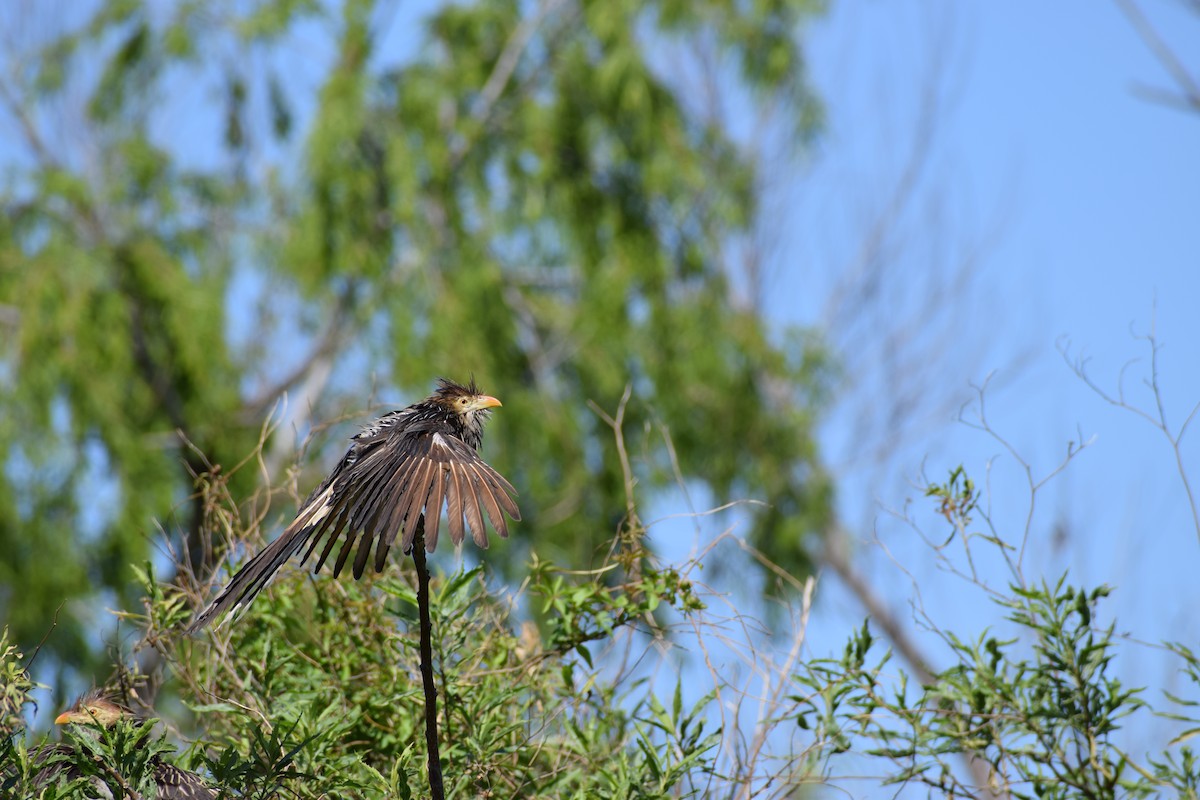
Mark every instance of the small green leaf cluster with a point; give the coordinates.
(1034, 714)
(15, 686)
(587, 610)
(958, 497)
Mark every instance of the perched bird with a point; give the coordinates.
(397, 473)
(170, 781)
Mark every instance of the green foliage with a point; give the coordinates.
(527, 196)
(121, 758)
(15, 686)
(958, 497)
(316, 693)
(307, 705)
(587, 610)
(1041, 708)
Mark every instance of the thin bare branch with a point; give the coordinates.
(502, 72)
(617, 423)
(1157, 418)
(317, 362)
(1189, 88)
(879, 611)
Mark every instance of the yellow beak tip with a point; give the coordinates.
(487, 401)
(63, 718)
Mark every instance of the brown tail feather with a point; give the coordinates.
(258, 572)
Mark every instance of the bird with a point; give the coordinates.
(394, 478)
(95, 709)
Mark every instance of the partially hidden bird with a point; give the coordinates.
(396, 476)
(95, 709)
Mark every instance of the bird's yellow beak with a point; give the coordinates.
(65, 718)
(487, 401)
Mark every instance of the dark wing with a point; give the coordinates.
(172, 782)
(54, 763)
(178, 784)
(388, 488)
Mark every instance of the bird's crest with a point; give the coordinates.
(448, 388)
(96, 706)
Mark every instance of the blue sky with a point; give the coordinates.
(1072, 200)
(1084, 197)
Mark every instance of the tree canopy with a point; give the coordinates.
(210, 206)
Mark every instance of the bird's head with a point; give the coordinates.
(93, 709)
(463, 399)
(468, 405)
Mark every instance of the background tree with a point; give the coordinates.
(524, 193)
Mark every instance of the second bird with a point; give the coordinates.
(398, 471)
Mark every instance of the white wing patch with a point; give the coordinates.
(323, 510)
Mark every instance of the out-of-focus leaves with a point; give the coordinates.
(524, 195)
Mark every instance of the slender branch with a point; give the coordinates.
(1158, 419)
(1189, 88)
(427, 680)
(617, 424)
(33, 137)
(502, 72)
(111, 772)
(835, 557)
(507, 63)
(323, 353)
(774, 695)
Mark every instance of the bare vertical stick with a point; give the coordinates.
(427, 682)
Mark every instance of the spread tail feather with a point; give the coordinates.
(258, 572)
